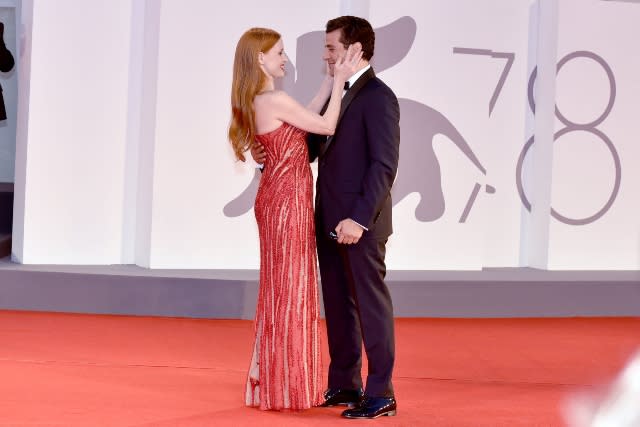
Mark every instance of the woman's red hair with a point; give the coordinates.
(248, 81)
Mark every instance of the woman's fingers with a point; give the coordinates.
(353, 51)
(356, 58)
(352, 56)
(348, 63)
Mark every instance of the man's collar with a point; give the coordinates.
(357, 75)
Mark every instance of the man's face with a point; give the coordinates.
(333, 49)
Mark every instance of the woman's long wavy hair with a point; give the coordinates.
(248, 81)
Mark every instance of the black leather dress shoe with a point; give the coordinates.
(373, 407)
(342, 396)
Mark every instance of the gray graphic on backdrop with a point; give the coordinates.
(419, 169)
(509, 56)
(570, 126)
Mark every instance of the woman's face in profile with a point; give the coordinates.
(274, 60)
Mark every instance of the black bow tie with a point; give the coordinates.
(346, 85)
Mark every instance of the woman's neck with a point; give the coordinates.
(268, 85)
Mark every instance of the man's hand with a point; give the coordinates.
(348, 231)
(257, 153)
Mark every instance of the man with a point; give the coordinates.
(356, 169)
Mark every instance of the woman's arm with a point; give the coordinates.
(287, 109)
(321, 97)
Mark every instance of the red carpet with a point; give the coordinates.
(88, 370)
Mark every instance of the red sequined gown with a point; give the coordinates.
(285, 371)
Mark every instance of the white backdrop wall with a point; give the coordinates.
(599, 41)
(73, 141)
(126, 158)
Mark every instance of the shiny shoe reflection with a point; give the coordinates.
(373, 407)
(341, 396)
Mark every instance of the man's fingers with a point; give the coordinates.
(348, 239)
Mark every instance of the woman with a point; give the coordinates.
(285, 370)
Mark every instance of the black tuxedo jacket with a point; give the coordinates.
(358, 164)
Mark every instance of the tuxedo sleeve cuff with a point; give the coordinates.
(361, 226)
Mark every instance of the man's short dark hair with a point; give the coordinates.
(354, 29)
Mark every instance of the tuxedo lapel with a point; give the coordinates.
(348, 97)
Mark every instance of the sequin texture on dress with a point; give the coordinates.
(286, 370)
